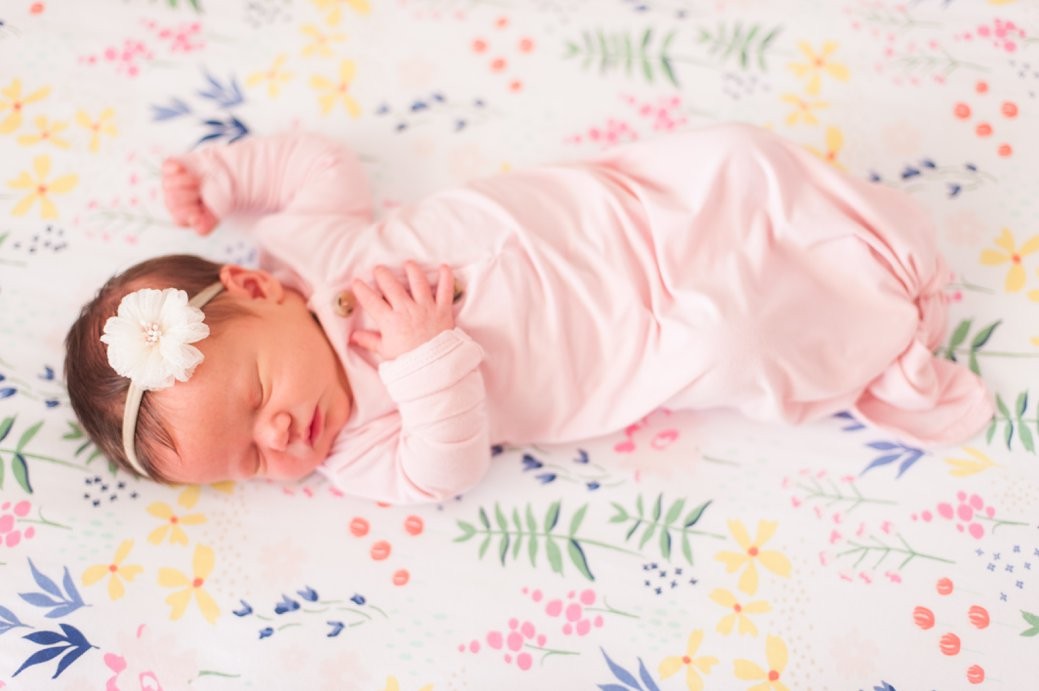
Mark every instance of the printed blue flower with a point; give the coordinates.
(286, 605)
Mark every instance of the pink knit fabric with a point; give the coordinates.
(723, 267)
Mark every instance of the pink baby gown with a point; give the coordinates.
(717, 268)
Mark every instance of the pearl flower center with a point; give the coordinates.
(152, 332)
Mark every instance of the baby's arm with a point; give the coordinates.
(431, 371)
(292, 172)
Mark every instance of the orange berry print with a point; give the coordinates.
(359, 527)
(380, 550)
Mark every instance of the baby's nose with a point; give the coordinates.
(276, 433)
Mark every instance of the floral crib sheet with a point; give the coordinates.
(688, 551)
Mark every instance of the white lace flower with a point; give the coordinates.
(149, 336)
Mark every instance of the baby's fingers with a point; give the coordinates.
(417, 283)
(371, 302)
(369, 340)
(445, 287)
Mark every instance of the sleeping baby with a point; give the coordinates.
(716, 268)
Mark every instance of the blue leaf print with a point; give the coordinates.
(382, 109)
(927, 163)
(883, 446)
(971, 167)
(912, 458)
(855, 424)
(77, 644)
(308, 594)
(460, 124)
(266, 633)
(43, 581)
(51, 403)
(8, 620)
(64, 604)
(234, 129)
(39, 600)
(497, 449)
(39, 657)
(592, 486)
(874, 176)
(531, 463)
(227, 96)
(546, 478)
(438, 97)
(358, 599)
(69, 659)
(48, 373)
(613, 687)
(337, 628)
(245, 611)
(883, 460)
(70, 588)
(909, 172)
(623, 675)
(286, 605)
(647, 679)
(179, 108)
(418, 106)
(582, 457)
(7, 392)
(44, 637)
(954, 190)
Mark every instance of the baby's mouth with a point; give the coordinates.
(314, 431)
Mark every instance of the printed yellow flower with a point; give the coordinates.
(393, 685)
(115, 570)
(739, 612)
(334, 9)
(322, 42)
(189, 496)
(694, 665)
(803, 110)
(202, 567)
(775, 656)
(1010, 253)
(752, 554)
(11, 99)
(817, 65)
(274, 77)
(834, 142)
(962, 467)
(40, 188)
(172, 522)
(337, 91)
(48, 132)
(103, 125)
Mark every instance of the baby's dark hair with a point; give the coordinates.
(97, 393)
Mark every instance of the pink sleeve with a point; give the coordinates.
(442, 447)
(303, 173)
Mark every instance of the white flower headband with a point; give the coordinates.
(148, 342)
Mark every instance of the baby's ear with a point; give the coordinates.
(251, 283)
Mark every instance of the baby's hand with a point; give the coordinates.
(181, 191)
(405, 320)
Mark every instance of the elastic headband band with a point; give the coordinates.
(135, 394)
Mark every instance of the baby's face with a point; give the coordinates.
(267, 401)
